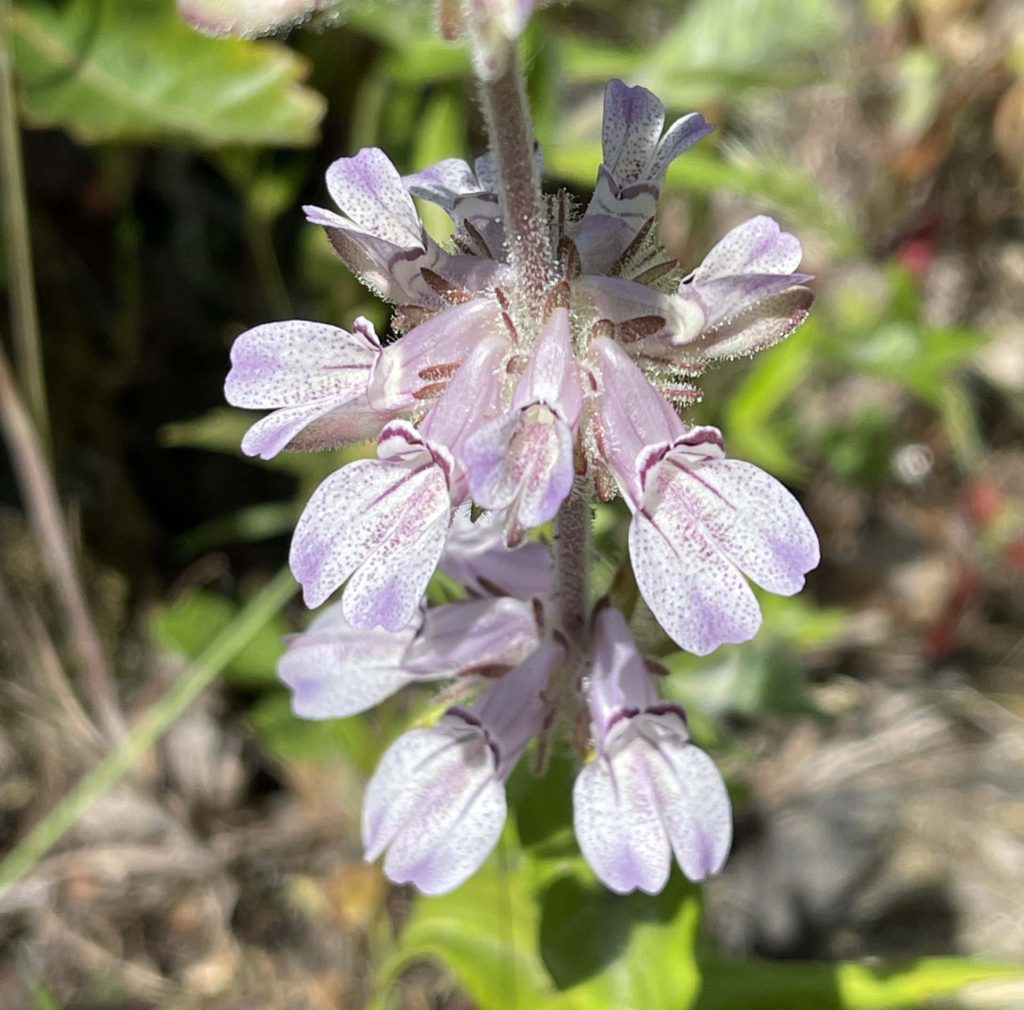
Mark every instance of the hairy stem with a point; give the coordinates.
(43, 510)
(510, 130)
(17, 244)
(572, 560)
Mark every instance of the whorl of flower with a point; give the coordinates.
(477, 400)
(491, 399)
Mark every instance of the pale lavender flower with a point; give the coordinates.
(476, 401)
(335, 669)
(493, 394)
(436, 804)
(649, 793)
(314, 377)
(700, 521)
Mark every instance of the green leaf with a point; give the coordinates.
(192, 622)
(748, 984)
(221, 430)
(133, 71)
(360, 739)
(517, 935)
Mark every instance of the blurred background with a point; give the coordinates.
(872, 735)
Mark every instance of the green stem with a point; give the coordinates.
(146, 731)
(17, 242)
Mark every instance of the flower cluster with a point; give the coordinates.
(486, 397)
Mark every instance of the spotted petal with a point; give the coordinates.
(436, 805)
(305, 369)
(335, 669)
(654, 794)
(697, 528)
(380, 525)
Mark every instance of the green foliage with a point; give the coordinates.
(551, 938)
(191, 623)
(541, 933)
(132, 71)
(718, 47)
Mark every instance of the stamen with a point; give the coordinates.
(436, 373)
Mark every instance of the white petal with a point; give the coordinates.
(436, 805)
(337, 670)
(753, 519)
(758, 246)
(697, 595)
(617, 824)
(385, 519)
(694, 805)
(295, 362)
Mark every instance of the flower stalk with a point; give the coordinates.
(510, 130)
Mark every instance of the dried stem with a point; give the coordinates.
(510, 130)
(17, 244)
(43, 510)
(144, 732)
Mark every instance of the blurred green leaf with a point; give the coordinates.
(748, 984)
(221, 430)
(719, 47)
(359, 739)
(133, 71)
(751, 414)
(565, 943)
(191, 623)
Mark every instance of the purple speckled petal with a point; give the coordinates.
(632, 124)
(436, 805)
(758, 246)
(697, 595)
(370, 193)
(636, 158)
(381, 525)
(751, 518)
(617, 823)
(472, 396)
(480, 635)
(294, 362)
(353, 422)
(443, 183)
(522, 462)
(630, 415)
(307, 369)
(690, 794)
(761, 325)
(551, 375)
(336, 670)
(654, 791)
